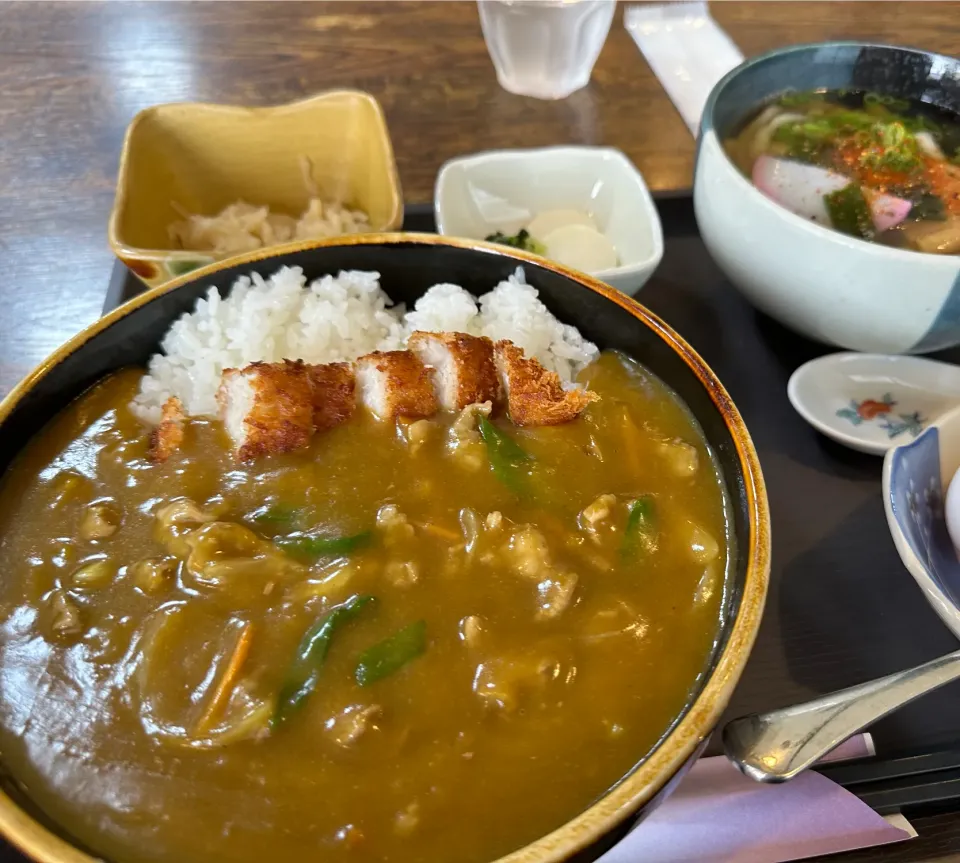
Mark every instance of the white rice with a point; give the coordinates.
(333, 319)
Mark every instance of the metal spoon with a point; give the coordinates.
(776, 746)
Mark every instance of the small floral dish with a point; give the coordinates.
(872, 402)
(916, 476)
(504, 190)
(201, 158)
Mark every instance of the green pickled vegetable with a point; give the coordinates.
(849, 211)
(391, 654)
(177, 267)
(640, 536)
(312, 547)
(520, 240)
(305, 670)
(509, 460)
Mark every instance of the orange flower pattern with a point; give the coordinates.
(881, 411)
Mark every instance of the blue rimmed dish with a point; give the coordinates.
(916, 476)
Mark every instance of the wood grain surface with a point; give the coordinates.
(72, 76)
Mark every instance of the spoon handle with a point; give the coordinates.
(776, 746)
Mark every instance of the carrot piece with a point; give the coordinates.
(222, 693)
(440, 532)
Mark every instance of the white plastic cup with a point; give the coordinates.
(545, 48)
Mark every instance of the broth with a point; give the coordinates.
(145, 652)
(882, 169)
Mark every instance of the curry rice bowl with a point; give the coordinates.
(383, 644)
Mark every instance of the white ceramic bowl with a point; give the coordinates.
(502, 190)
(916, 477)
(824, 284)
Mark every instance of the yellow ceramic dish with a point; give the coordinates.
(204, 157)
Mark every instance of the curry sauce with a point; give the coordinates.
(412, 641)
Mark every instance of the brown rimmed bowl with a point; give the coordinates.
(408, 264)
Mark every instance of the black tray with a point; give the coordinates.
(841, 607)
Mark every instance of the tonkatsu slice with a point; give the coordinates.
(464, 372)
(534, 395)
(267, 407)
(334, 394)
(395, 384)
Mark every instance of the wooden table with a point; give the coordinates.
(73, 75)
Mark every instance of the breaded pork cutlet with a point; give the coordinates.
(463, 369)
(267, 407)
(534, 395)
(334, 394)
(167, 437)
(395, 384)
